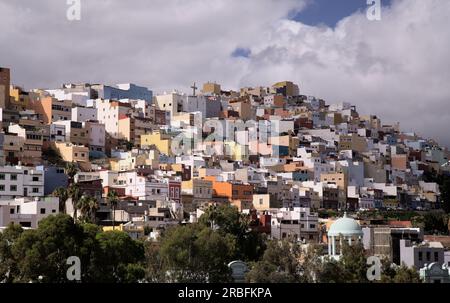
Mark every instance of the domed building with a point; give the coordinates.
(343, 229)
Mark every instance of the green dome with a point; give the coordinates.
(345, 226)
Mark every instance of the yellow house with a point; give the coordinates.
(162, 142)
(352, 142)
(70, 152)
(261, 202)
(341, 180)
(236, 151)
(211, 88)
(19, 99)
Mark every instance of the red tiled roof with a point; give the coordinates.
(405, 224)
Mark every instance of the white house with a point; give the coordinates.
(20, 181)
(82, 114)
(27, 212)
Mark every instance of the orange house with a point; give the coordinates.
(231, 191)
(51, 109)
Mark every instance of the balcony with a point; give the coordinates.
(12, 160)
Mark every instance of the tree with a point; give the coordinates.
(311, 264)
(105, 256)
(63, 195)
(228, 220)
(436, 222)
(354, 262)
(71, 171)
(88, 207)
(406, 275)
(43, 252)
(388, 271)
(8, 264)
(391, 273)
(445, 195)
(75, 196)
(279, 264)
(118, 258)
(113, 200)
(331, 271)
(192, 253)
(351, 267)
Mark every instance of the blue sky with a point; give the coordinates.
(329, 12)
(318, 12)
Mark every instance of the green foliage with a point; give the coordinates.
(392, 273)
(327, 213)
(331, 271)
(351, 267)
(71, 170)
(354, 263)
(311, 263)
(228, 220)
(192, 253)
(88, 207)
(406, 275)
(8, 266)
(445, 195)
(126, 254)
(279, 264)
(436, 222)
(44, 251)
(63, 194)
(105, 257)
(75, 196)
(113, 200)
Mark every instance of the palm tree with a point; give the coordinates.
(63, 194)
(88, 207)
(74, 195)
(113, 200)
(71, 171)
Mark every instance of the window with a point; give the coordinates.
(13, 187)
(428, 256)
(436, 256)
(2, 176)
(2, 187)
(11, 211)
(13, 177)
(35, 190)
(35, 179)
(420, 256)
(42, 211)
(53, 210)
(312, 226)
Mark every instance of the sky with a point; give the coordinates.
(330, 12)
(397, 68)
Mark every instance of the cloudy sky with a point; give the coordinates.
(397, 68)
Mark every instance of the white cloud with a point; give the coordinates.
(397, 68)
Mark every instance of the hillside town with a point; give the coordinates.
(299, 170)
